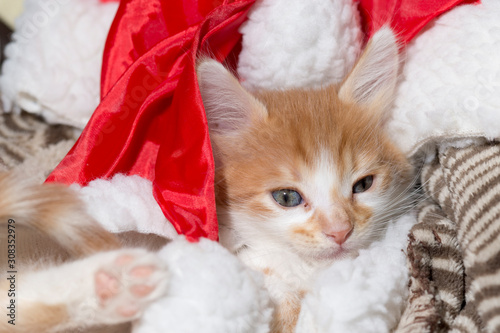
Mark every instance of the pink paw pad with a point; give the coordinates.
(107, 286)
(142, 271)
(127, 311)
(124, 259)
(129, 282)
(141, 290)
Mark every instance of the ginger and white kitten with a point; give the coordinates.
(305, 177)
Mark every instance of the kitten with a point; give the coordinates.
(305, 177)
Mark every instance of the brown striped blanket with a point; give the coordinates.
(454, 251)
(25, 135)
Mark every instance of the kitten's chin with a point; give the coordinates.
(334, 254)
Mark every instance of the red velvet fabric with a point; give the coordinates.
(151, 120)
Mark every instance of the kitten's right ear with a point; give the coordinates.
(229, 107)
(372, 81)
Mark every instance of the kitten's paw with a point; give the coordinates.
(128, 282)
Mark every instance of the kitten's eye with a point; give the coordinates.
(363, 185)
(287, 198)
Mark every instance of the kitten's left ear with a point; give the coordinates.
(373, 79)
(228, 106)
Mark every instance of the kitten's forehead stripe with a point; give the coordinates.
(324, 180)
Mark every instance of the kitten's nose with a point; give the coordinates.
(340, 236)
(339, 227)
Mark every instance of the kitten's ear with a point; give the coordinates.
(229, 107)
(373, 79)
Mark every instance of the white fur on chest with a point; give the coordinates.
(285, 272)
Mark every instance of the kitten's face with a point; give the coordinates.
(308, 171)
(315, 175)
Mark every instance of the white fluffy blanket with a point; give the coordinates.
(447, 92)
(53, 65)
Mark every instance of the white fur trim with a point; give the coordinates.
(210, 291)
(53, 64)
(296, 43)
(126, 203)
